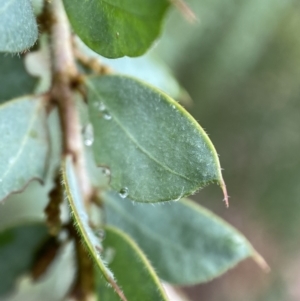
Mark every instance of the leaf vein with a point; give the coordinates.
(141, 148)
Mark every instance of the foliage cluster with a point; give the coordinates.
(106, 140)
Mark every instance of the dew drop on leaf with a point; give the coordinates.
(88, 135)
(123, 192)
(100, 234)
(100, 106)
(106, 115)
(106, 171)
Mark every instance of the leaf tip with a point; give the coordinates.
(226, 197)
(261, 262)
(185, 10)
(117, 290)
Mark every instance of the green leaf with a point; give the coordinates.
(18, 28)
(155, 150)
(117, 28)
(132, 269)
(81, 221)
(24, 143)
(17, 250)
(185, 242)
(14, 79)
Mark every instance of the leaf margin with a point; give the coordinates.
(79, 220)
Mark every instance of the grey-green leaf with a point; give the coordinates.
(81, 220)
(185, 242)
(24, 143)
(132, 269)
(17, 249)
(18, 28)
(14, 79)
(155, 150)
(117, 28)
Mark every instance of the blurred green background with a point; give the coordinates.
(241, 65)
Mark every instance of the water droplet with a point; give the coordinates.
(100, 234)
(88, 135)
(123, 192)
(99, 105)
(99, 249)
(173, 106)
(106, 115)
(0, 180)
(106, 171)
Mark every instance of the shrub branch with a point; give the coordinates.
(65, 79)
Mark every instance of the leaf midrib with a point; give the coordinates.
(76, 208)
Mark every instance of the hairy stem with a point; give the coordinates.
(65, 76)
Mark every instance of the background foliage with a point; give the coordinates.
(241, 68)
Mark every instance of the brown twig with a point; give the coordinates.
(52, 210)
(44, 257)
(64, 76)
(65, 81)
(92, 63)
